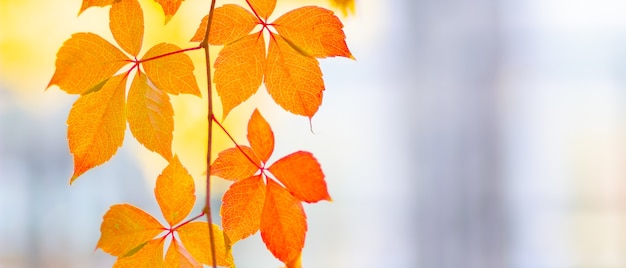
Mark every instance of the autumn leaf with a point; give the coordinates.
(263, 8)
(283, 223)
(84, 61)
(148, 255)
(195, 237)
(150, 116)
(314, 31)
(126, 24)
(169, 71)
(250, 204)
(230, 22)
(174, 183)
(233, 164)
(94, 3)
(124, 228)
(178, 257)
(242, 206)
(96, 125)
(290, 69)
(169, 8)
(239, 71)
(130, 234)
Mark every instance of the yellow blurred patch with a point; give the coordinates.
(346, 6)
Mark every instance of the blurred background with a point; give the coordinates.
(466, 134)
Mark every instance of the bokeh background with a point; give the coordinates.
(471, 134)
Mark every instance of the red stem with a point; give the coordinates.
(167, 54)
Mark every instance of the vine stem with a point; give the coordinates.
(207, 209)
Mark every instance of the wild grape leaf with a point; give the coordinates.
(126, 24)
(314, 31)
(263, 8)
(195, 237)
(169, 8)
(124, 228)
(95, 3)
(232, 164)
(178, 257)
(293, 80)
(291, 71)
(174, 183)
(305, 182)
(230, 22)
(84, 61)
(96, 125)
(130, 234)
(239, 71)
(249, 205)
(150, 116)
(242, 206)
(283, 223)
(172, 73)
(149, 255)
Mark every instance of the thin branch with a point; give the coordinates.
(207, 209)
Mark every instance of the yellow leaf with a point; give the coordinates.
(96, 125)
(239, 71)
(346, 6)
(124, 228)
(149, 256)
(293, 80)
(126, 23)
(171, 73)
(85, 60)
(175, 192)
(150, 116)
(195, 238)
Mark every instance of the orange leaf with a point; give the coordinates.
(175, 192)
(241, 209)
(126, 23)
(96, 125)
(293, 80)
(295, 263)
(283, 223)
(260, 136)
(263, 8)
(169, 8)
(195, 238)
(232, 164)
(84, 61)
(150, 116)
(302, 176)
(315, 31)
(171, 73)
(148, 256)
(125, 228)
(178, 257)
(94, 3)
(230, 23)
(239, 71)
